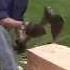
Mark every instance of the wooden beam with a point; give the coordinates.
(49, 57)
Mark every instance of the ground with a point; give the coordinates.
(35, 12)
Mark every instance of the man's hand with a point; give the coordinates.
(11, 23)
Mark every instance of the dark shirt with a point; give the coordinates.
(13, 8)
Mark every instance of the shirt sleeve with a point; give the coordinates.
(19, 9)
(4, 8)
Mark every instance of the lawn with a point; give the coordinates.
(34, 13)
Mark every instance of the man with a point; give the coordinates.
(11, 12)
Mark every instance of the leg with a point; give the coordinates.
(6, 53)
(55, 30)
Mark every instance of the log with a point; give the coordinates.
(48, 57)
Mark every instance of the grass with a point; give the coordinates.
(34, 13)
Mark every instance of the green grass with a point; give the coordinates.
(35, 12)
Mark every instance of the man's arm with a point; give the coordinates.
(4, 8)
(19, 9)
(5, 20)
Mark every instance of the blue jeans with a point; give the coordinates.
(7, 58)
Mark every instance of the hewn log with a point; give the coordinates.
(49, 57)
